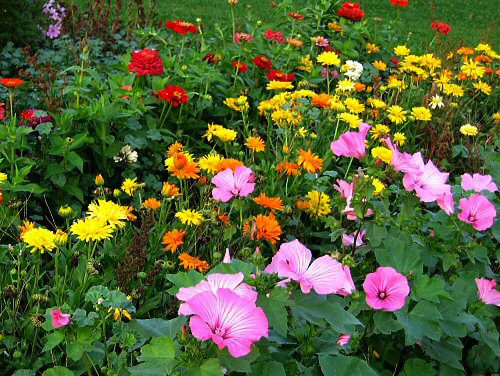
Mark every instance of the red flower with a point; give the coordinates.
(212, 58)
(401, 3)
(277, 75)
(395, 61)
(274, 35)
(2, 111)
(11, 82)
(351, 11)
(441, 27)
(181, 27)
(172, 94)
(297, 16)
(146, 62)
(263, 62)
(240, 66)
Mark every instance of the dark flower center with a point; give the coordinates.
(382, 295)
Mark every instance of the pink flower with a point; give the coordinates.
(430, 184)
(2, 111)
(446, 202)
(351, 213)
(348, 240)
(229, 184)
(346, 189)
(344, 339)
(386, 289)
(274, 35)
(477, 211)
(352, 144)
(322, 41)
(349, 285)
(478, 183)
(227, 319)
(213, 283)
(243, 37)
(487, 291)
(227, 257)
(59, 319)
(403, 162)
(325, 275)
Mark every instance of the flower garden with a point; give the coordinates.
(309, 196)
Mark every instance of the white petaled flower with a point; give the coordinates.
(436, 102)
(127, 154)
(353, 69)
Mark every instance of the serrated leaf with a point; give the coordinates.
(421, 322)
(345, 365)
(74, 350)
(385, 323)
(403, 258)
(430, 288)
(210, 367)
(184, 280)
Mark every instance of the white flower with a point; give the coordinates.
(127, 155)
(353, 69)
(436, 101)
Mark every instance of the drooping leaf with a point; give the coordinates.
(345, 365)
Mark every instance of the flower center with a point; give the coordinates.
(219, 331)
(382, 295)
(472, 218)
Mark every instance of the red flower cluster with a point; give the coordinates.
(212, 58)
(441, 27)
(11, 82)
(241, 66)
(243, 37)
(181, 27)
(172, 94)
(274, 35)
(146, 62)
(297, 16)
(401, 3)
(351, 11)
(277, 75)
(263, 62)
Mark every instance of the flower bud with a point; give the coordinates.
(65, 211)
(117, 193)
(99, 180)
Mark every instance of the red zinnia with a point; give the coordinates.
(263, 62)
(172, 94)
(181, 27)
(11, 82)
(146, 62)
(351, 11)
(277, 75)
(240, 66)
(274, 35)
(212, 58)
(401, 3)
(443, 28)
(297, 16)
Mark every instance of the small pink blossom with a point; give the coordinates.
(322, 41)
(348, 240)
(2, 111)
(487, 291)
(403, 162)
(352, 144)
(229, 184)
(243, 37)
(59, 319)
(227, 257)
(346, 189)
(386, 289)
(477, 211)
(478, 183)
(349, 286)
(446, 202)
(343, 339)
(351, 213)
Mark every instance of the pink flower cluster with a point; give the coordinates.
(56, 13)
(274, 36)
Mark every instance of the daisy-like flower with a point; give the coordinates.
(468, 130)
(472, 69)
(190, 217)
(372, 48)
(401, 50)
(182, 166)
(151, 203)
(129, 186)
(318, 204)
(436, 102)
(353, 69)
(352, 119)
(380, 65)
(289, 168)
(173, 239)
(379, 131)
(483, 87)
(113, 214)
(453, 89)
(255, 143)
(229, 163)
(25, 227)
(309, 161)
(353, 105)
(399, 138)
(279, 85)
(268, 228)
(170, 190)
(378, 185)
(272, 203)
(223, 134)
(384, 154)
(305, 64)
(396, 114)
(210, 162)
(238, 104)
(88, 229)
(175, 148)
(189, 263)
(345, 85)
(328, 58)
(421, 113)
(40, 239)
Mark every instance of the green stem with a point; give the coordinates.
(348, 167)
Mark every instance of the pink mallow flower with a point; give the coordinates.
(352, 144)
(348, 240)
(477, 211)
(227, 257)
(343, 339)
(386, 289)
(487, 291)
(403, 162)
(349, 286)
(227, 319)
(229, 184)
(59, 319)
(446, 202)
(325, 275)
(478, 183)
(214, 282)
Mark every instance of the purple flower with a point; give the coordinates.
(54, 31)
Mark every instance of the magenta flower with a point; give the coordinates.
(348, 240)
(478, 183)
(59, 319)
(404, 162)
(349, 286)
(446, 202)
(487, 291)
(227, 257)
(386, 289)
(430, 184)
(477, 211)
(325, 275)
(346, 190)
(352, 144)
(53, 31)
(213, 283)
(343, 339)
(322, 41)
(227, 319)
(229, 184)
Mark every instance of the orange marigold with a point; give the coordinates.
(322, 100)
(268, 228)
(174, 149)
(170, 190)
(302, 204)
(273, 203)
(183, 168)
(289, 168)
(173, 239)
(11, 82)
(189, 262)
(255, 143)
(310, 162)
(223, 217)
(229, 163)
(152, 203)
(128, 211)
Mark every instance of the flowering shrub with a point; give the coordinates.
(292, 199)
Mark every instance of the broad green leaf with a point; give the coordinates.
(447, 352)
(241, 364)
(75, 160)
(24, 372)
(376, 234)
(87, 336)
(274, 307)
(74, 350)
(421, 322)
(158, 327)
(53, 339)
(57, 371)
(385, 323)
(210, 367)
(405, 259)
(184, 280)
(417, 367)
(269, 368)
(345, 365)
(430, 288)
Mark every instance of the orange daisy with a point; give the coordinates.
(174, 149)
(255, 143)
(289, 168)
(170, 190)
(152, 203)
(224, 218)
(128, 211)
(183, 168)
(173, 239)
(268, 228)
(189, 262)
(273, 203)
(11, 82)
(229, 163)
(310, 162)
(322, 100)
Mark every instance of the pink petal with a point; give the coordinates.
(293, 260)
(325, 276)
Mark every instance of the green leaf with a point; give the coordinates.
(184, 280)
(75, 160)
(241, 364)
(158, 327)
(345, 365)
(74, 350)
(24, 372)
(417, 367)
(421, 322)
(53, 339)
(430, 288)
(74, 191)
(274, 307)
(44, 128)
(447, 352)
(82, 319)
(210, 367)
(268, 368)
(86, 336)
(376, 234)
(31, 187)
(158, 358)
(57, 371)
(403, 258)
(385, 323)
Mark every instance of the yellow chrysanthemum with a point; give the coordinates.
(237, 104)
(421, 113)
(113, 214)
(399, 138)
(279, 85)
(472, 69)
(483, 47)
(353, 105)
(384, 154)
(190, 217)
(379, 186)
(40, 239)
(328, 58)
(3, 177)
(483, 87)
(379, 131)
(372, 48)
(61, 238)
(468, 130)
(305, 64)
(453, 89)
(129, 186)
(88, 229)
(345, 85)
(210, 162)
(223, 134)
(396, 114)
(401, 50)
(318, 204)
(376, 103)
(353, 120)
(380, 65)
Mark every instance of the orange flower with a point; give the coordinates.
(173, 239)
(322, 100)
(224, 218)
(11, 82)
(170, 190)
(229, 163)
(462, 76)
(483, 59)
(273, 203)
(152, 203)
(359, 86)
(25, 227)
(290, 168)
(295, 42)
(465, 51)
(255, 143)
(189, 262)
(268, 228)
(130, 216)
(174, 149)
(302, 204)
(183, 168)
(310, 162)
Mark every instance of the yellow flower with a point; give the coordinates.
(372, 48)
(3, 177)
(305, 64)
(353, 105)
(483, 87)
(453, 89)
(353, 120)
(379, 186)
(396, 114)
(473, 69)
(40, 239)
(99, 180)
(379, 131)
(223, 134)
(88, 229)
(401, 50)
(237, 104)
(421, 113)
(482, 47)
(468, 130)
(328, 58)
(345, 85)
(255, 143)
(399, 138)
(210, 162)
(61, 238)
(113, 214)
(384, 154)
(129, 186)
(191, 217)
(377, 103)
(496, 117)
(279, 85)
(380, 65)
(318, 204)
